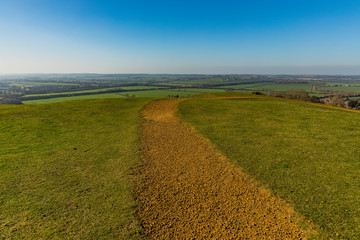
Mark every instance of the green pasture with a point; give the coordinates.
(139, 87)
(275, 87)
(64, 93)
(159, 93)
(83, 97)
(201, 90)
(306, 155)
(241, 86)
(182, 92)
(355, 89)
(64, 170)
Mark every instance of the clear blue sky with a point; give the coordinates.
(108, 36)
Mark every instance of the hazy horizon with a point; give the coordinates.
(313, 70)
(180, 37)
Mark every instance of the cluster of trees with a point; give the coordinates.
(354, 104)
(10, 99)
(299, 94)
(338, 101)
(338, 93)
(335, 101)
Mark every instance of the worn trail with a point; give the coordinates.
(190, 192)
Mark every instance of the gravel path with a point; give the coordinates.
(190, 192)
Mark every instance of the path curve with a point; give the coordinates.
(190, 192)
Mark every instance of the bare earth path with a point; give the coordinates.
(190, 192)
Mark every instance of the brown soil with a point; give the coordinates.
(190, 192)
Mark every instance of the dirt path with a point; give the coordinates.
(190, 192)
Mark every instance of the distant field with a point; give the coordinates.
(201, 90)
(159, 93)
(341, 88)
(40, 83)
(202, 81)
(139, 87)
(276, 87)
(64, 170)
(183, 92)
(64, 93)
(307, 155)
(215, 80)
(148, 93)
(62, 99)
(254, 85)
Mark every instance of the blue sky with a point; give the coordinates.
(108, 36)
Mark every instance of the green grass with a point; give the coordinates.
(64, 170)
(307, 155)
(250, 86)
(275, 87)
(84, 97)
(148, 93)
(64, 93)
(139, 87)
(162, 93)
(200, 90)
(355, 89)
(227, 95)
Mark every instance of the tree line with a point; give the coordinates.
(302, 95)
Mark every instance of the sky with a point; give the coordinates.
(173, 36)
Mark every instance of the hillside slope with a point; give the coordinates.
(307, 155)
(190, 192)
(64, 169)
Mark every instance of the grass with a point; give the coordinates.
(64, 170)
(162, 93)
(64, 93)
(84, 97)
(275, 87)
(183, 92)
(139, 87)
(200, 90)
(307, 155)
(355, 89)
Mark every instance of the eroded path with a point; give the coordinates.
(190, 192)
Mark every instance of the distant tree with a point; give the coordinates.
(335, 101)
(315, 99)
(298, 94)
(358, 105)
(352, 103)
(10, 99)
(257, 93)
(278, 94)
(292, 94)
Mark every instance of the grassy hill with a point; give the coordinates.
(64, 169)
(307, 155)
